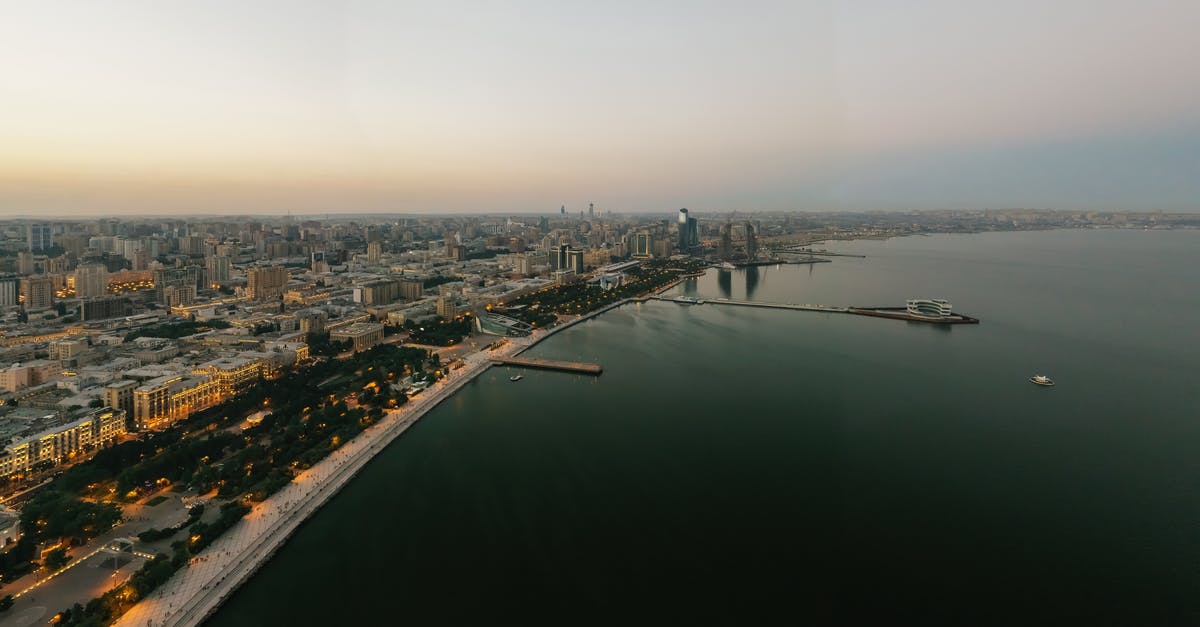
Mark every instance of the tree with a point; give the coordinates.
(96, 402)
(56, 559)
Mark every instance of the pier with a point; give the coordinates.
(549, 364)
(896, 313)
(684, 300)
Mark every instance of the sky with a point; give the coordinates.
(161, 107)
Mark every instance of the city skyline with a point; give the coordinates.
(226, 109)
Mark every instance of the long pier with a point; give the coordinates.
(549, 364)
(896, 313)
(684, 300)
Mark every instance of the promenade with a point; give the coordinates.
(196, 591)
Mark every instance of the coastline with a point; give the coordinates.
(193, 594)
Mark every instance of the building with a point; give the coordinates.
(751, 243)
(24, 263)
(161, 401)
(38, 292)
(66, 350)
(381, 292)
(684, 240)
(119, 395)
(231, 374)
(725, 245)
(176, 286)
(929, 307)
(374, 252)
(641, 245)
(91, 280)
(104, 308)
(312, 322)
(40, 238)
(217, 270)
(447, 305)
(57, 444)
(412, 289)
(364, 335)
(10, 290)
(266, 282)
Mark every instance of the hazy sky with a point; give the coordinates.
(250, 106)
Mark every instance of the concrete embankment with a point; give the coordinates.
(195, 592)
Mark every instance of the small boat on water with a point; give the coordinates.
(1041, 379)
(516, 378)
(725, 265)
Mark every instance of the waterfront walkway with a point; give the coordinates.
(196, 591)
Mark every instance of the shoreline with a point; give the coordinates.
(193, 594)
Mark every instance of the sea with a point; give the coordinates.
(735, 465)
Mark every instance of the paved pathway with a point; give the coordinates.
(196, 591)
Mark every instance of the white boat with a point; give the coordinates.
(516, 378)
(725, 265)
(1041, 379)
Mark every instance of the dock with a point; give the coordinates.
(685, 300)
(549, 364)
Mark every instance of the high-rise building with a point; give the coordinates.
(725, 245)
(140, 260)
(751, 243)
(91, 280)
(374, 252)
(266, 282)
(176, 284)
(24, 263)
(10, 290)
(641, 245)
(105, 307)
(683, 229)
(217, 269)
(38, 292)
(40, 238)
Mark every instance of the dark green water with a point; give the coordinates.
(738, 465)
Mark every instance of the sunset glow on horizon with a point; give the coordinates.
(132, 107)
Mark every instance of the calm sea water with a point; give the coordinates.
(739, 465)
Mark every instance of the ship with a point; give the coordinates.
(1041, 379)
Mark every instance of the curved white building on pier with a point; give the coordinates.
(929, 307)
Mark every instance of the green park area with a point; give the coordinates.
(301, 422)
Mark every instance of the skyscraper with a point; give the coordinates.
(40, 238)
(91, 280)
(725, 246)
(751, 243)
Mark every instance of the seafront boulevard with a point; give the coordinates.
(197, 591)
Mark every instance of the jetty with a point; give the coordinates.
(549, 364)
